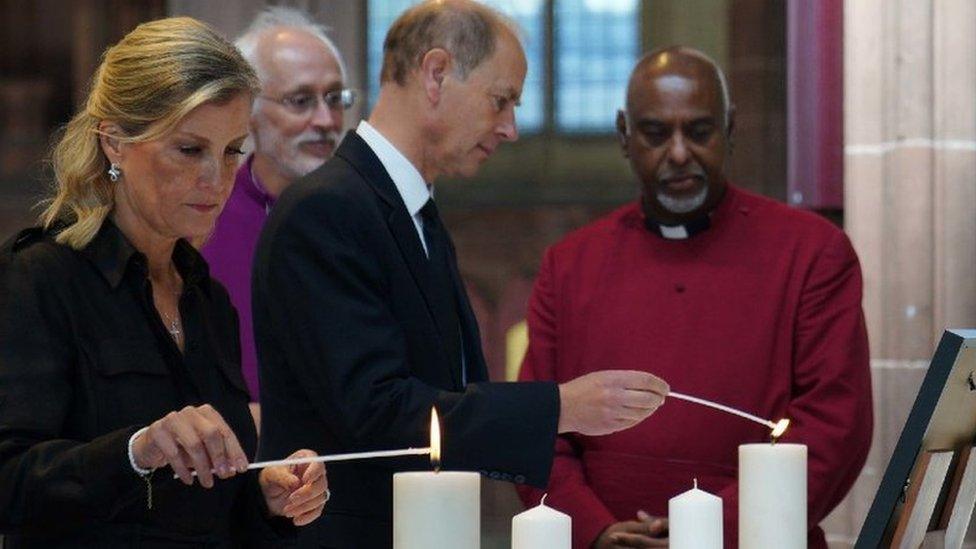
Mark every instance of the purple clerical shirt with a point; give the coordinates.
(230, 252)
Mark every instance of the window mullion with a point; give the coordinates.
(549, 62)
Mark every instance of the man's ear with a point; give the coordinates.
(623, 132)
(730, 126)
(433, 69)
(108, 133)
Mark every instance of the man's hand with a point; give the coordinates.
(605, 402)
(646, 531)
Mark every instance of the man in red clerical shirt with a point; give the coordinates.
(728, 295)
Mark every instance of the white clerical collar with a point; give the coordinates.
(679, 232)
(409, 183)
(676, 232)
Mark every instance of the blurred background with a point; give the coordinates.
(863, 111)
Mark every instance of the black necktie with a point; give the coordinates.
(442, 281)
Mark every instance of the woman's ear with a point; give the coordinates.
(108, 133)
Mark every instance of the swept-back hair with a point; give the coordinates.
(282, 16)
(465, 29)
(146, 84)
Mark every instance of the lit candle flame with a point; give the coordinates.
(435, 440)
(780, 428)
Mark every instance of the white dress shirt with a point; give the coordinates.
(409, 183)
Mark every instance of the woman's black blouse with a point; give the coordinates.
(85, 361)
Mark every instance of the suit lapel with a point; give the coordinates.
(355, 151)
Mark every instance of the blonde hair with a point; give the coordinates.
(145, 85)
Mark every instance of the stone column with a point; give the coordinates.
(910, 198)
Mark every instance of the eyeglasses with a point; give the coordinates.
(304, 104)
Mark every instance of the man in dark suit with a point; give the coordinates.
(361, 319)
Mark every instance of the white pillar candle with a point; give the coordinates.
(542, 527)
(695, 520)
(772, 496)
(439, 510)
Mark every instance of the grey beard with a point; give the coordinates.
(682, 205)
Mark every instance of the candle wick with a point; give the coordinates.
(696, 483)
(543, 502)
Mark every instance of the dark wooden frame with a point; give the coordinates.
(943, 417)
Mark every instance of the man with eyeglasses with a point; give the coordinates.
(296, 122)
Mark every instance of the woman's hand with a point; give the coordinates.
(298, 492)
(194, 439)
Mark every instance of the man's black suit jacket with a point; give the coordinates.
(352, 359)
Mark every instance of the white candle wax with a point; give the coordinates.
(695, 520)
(436, 510)
(542, 527)
(772, 496)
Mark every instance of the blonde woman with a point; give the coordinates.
(118, 353)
